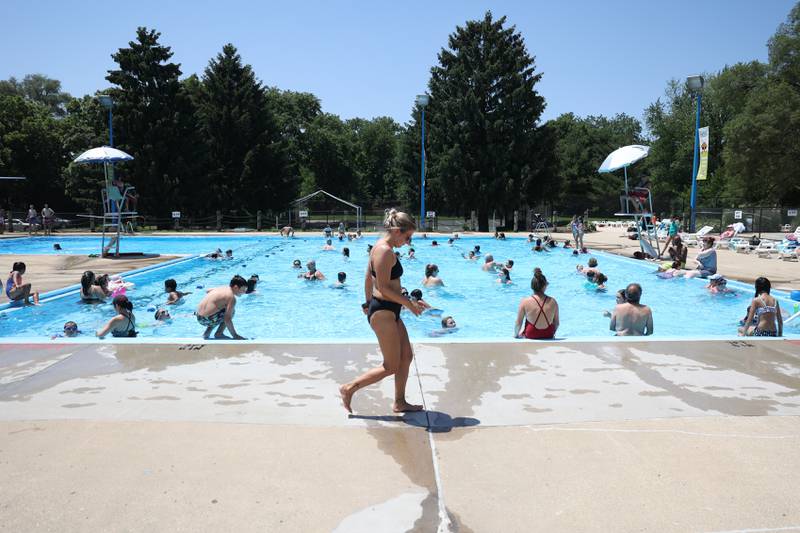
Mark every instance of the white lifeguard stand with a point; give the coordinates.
(540, 228)
(622, 158)
(114, 217)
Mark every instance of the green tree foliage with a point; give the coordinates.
(376, 155)
(332, 157)
(38, 88)
(30, 146)
(581, 146)
(153, 121)
(784, 49)
(485, 141)
(248, 161)
(764, 146)
(85, 126)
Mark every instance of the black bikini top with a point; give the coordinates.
(397, 270)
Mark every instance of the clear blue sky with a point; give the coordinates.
(368, 58)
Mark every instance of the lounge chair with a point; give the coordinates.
(693, 239)
(730, 233)
(766, 249)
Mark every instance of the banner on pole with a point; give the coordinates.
(702, 169)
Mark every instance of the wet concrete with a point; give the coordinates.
(516, 437)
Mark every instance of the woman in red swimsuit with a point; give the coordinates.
(539, 311)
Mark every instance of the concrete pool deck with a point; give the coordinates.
(642, 435)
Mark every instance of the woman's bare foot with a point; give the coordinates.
(347, 396)
(405, 407)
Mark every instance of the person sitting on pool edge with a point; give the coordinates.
(312, 274)
(631, 318)
(174, 296)
(706, 260)
(765, 311)
(539, 312)
(218, 307)
(16, 289)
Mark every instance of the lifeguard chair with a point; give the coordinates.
(115, 216)
(636, 202)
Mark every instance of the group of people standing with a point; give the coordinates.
(46, 218)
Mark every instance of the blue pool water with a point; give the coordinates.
(289, 308)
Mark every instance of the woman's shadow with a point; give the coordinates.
(432, 421)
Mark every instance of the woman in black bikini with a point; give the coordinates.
(382, 290)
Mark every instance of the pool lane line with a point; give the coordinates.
(64, 291)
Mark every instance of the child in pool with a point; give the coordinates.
(70, 330)
(174, 296)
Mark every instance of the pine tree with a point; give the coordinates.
(248, 163)
(485, 142)
(152, 122)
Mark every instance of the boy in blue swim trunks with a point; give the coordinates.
(217, 308)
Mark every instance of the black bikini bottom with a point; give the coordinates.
(376, 304)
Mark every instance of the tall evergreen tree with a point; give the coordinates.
(485, 140)
(152, 122)
(248, 163)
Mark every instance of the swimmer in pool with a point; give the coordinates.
(341, 278)
(297, 264)
(620, 297)
(504, 276)
(416, 296)
(432, 278)
(328, 246)
(312, 274)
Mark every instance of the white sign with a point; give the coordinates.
(791, 212)
(737, 215)
(303, 214)
(176, 214)
(431, 214)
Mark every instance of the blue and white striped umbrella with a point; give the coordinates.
(103, 154)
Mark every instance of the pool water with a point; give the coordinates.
(285, 307)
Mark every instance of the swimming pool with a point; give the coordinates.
(285, 307)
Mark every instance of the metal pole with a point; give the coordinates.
(111, 126)
(696, 162)
(422, 190)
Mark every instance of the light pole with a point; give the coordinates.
(108, 103)
(422, 101)
(695, 84)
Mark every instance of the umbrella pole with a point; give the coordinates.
(625, 169)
